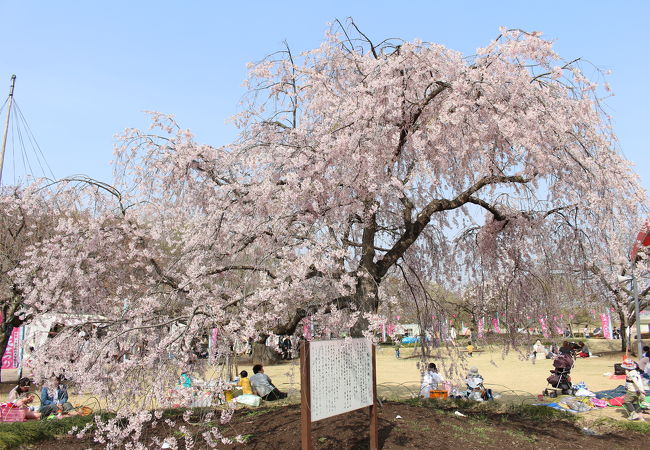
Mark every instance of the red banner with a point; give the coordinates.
(11, 358)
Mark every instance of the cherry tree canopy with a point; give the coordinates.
(351, 158)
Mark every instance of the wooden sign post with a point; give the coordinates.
(337, 377)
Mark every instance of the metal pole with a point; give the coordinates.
(4, 135)
(635, 292)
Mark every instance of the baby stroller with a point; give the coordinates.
(560, 379)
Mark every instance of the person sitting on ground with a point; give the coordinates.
(185, 379)
(552, 352)
(431, 380)
(20, 394)
(54, 399)
(262, 386)
(21, 397)
(583, 350)
(476, 389)
(634, 390)
(245, 383)
(644, 363)
(566, 349)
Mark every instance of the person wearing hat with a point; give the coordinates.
(476, 390)
(634, 390)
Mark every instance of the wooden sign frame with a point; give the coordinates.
(306, 440)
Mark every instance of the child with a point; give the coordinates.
(245, 383)
(470, 349)
(634, 390)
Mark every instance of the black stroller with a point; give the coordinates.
(560, 379)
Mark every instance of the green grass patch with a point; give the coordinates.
(14, 434)
(609, 424)
(256, 412)
(487, 410)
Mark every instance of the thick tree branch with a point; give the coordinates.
(412, 232)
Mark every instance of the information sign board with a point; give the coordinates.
(340, 376)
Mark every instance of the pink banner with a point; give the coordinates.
(306, 328)
(11, 358)
(604, 320)
(542, 322)
(481, 324)
(495, 325)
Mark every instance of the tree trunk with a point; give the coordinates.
(262, 354)
(6, 327)
(366, 299)
(622, 316)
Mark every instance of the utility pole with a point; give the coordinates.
(6, 131)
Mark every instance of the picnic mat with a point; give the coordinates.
(610, 397)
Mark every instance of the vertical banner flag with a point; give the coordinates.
(605, 323)
(495, 325)
(11, 358)
(480, 327)
(542, 322)
(306, 328)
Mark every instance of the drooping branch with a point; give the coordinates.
(413, 230)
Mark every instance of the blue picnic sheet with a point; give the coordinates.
(616, 392)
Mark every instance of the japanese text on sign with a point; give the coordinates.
(340, 376)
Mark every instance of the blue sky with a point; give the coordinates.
(87, 69)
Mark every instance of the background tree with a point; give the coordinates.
(26, 218)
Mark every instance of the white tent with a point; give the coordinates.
(37, 331)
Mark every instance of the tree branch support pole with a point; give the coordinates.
(374, 413)
(305, 398)
(635, 292)
(6, 130)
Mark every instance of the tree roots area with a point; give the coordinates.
(417, 424)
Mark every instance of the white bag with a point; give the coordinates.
(248, 399)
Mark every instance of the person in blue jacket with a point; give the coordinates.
(54, 398)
